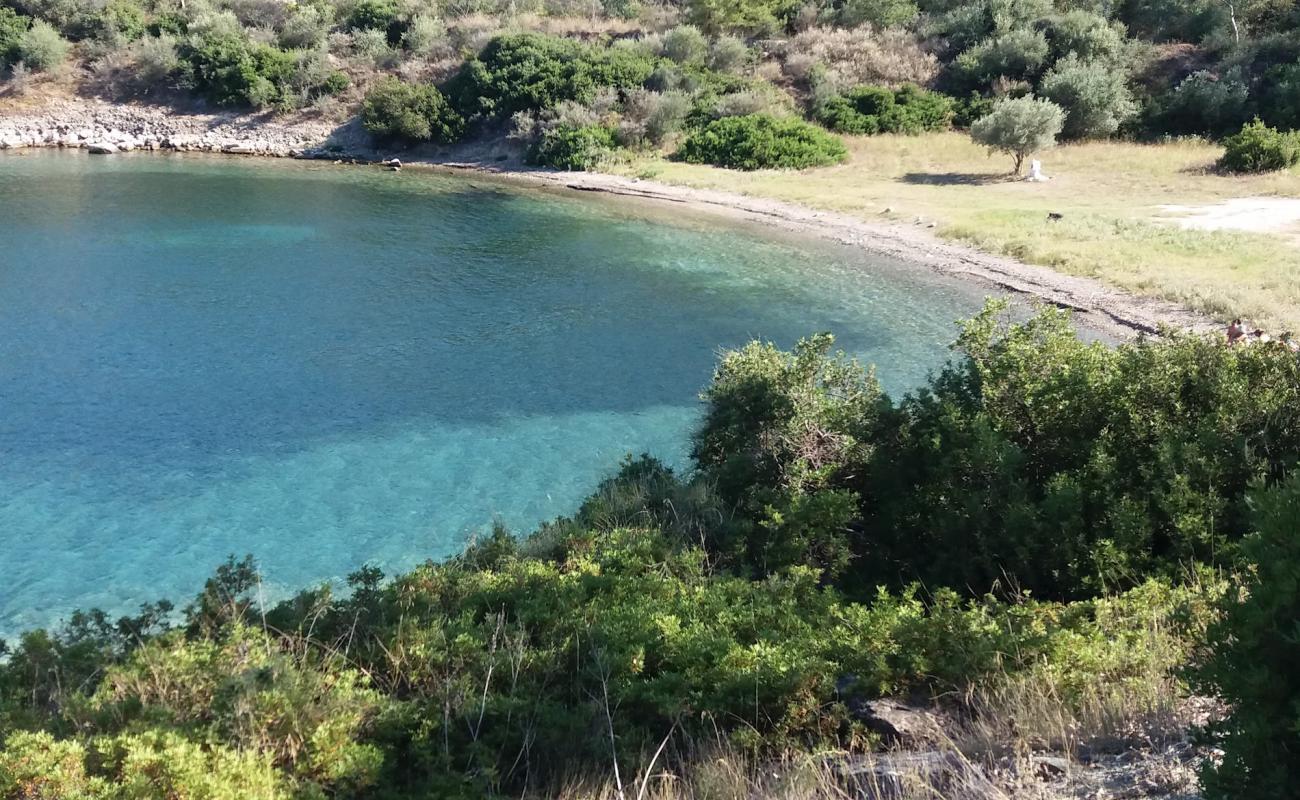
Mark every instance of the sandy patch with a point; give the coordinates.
(1251, 214)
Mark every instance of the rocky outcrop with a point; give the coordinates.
(899, 724)
(108, 128)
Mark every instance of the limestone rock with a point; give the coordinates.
(898, 723)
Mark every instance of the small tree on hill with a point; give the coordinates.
(1020, 126)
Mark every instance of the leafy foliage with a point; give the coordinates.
(1251, 662)
(231, 70)
(12, 27)
(1259, 148)
(573, 148)
(759, 141)
(1094, 95)
(1020, 126)
(876, 109)
(529, 72)
(40, 47)
(1067, 468)
(419, 113)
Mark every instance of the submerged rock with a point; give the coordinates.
(101, 148)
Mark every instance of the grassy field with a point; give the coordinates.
(1109, 193)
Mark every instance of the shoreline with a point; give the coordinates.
(113, 127)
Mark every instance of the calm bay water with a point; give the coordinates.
(330, 366)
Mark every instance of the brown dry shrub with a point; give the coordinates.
(850, 56)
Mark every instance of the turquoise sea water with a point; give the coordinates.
(329, 366)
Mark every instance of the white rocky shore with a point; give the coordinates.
(105, 128)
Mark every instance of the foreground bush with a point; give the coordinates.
(868, 110)
(1253, 653)
(547, 647)
(1067, 468)
(1259, 148)
(759, 141)
(394, 109)
(1020, 127)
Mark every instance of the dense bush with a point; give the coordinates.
(1094, 95)
(749, 17)
(40, 47)
(1251, 665)
(1204, 103)
(528, 72)
(536, 647)
(1087, 36)
(231, 70)
(879, 13)
(875, 109)
(1259, 148)
(12, 27)
(685, 45)
(758, 141)
(1015, 55)
(418, 113)
(1065, 467)
(573, 148)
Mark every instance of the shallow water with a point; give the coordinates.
(330, 366)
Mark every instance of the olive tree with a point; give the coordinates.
(1095, 97)
(1020, 126)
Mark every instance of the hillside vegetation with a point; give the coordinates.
(652, 74)
(1078, 500)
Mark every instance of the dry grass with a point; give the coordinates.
(1114, 735)
(1109, 193)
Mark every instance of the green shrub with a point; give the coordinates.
(685, 45)
(74, 19)
(530, 72)
(419, 113)
(1088, 36)
(12, 27)
(877, 109)
(1068, 468)
(1259, 148)
(575, 148)
(377, 15)
(1020, 126)
(122, 19)
(1094, 95)
(37, 766)
(758, 141)
(748, 17)
(727, 54)
(1015, 55)
(1251, 665)
(1204, 103)
(1280, 97)
(880, 13)
(41, 48)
